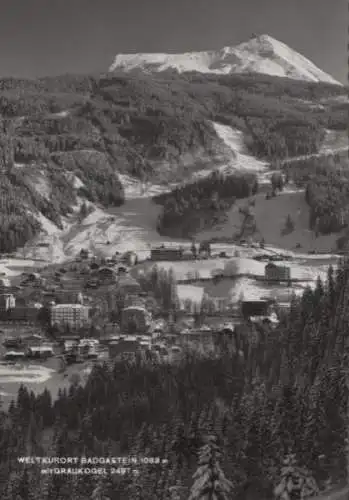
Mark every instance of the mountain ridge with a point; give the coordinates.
(261, 54)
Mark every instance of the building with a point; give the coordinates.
(122, 270)
(14, 356)
(188, 255)
(5, 283)
(204, 335)
(23, 313)
(106, 273)
(255, 308)
(7, 301)
(40, 352)
(32, 340)
(13, 342)
(72, 315)
(84, 254)
(273, 272)
(134, 300)
(80, 298)
(129, 258)
(166, 253)
(33, 277)
(135, 319)
(271, 319)
(128, 285)
(124, 349)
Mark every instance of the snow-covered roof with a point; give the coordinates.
(69, 306)
(41, 348)
(133, 308)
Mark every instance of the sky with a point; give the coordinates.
(51, 37)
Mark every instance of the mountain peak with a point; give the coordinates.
(260, 54)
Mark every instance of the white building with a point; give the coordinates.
(73, 315)
(7, 301)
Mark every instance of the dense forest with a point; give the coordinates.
(189, 207)
(152, 127)
(326, 184)
(261, 407)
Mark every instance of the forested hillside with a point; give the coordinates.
(198, 204)
(326, 184)
(157, 129)
(274, 401)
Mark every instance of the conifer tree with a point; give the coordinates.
(295, 482)
(210, 482)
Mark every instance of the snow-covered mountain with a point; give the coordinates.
(262, 54)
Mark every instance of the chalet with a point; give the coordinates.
(273, 272)
(166, 253)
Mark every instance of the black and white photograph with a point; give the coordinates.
(174, 250)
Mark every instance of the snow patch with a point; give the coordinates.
(241, 159)
(73, 179)
(20, 373)
(194, 293)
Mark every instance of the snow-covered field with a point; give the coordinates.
(20, 373)
(241, 288)
(334, 140)
(237, 158)
(232, 288)
(270, 216)
(13, 267)
(192, 292)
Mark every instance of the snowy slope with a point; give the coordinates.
(262, 54)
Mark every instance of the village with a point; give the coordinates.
(60, 316)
